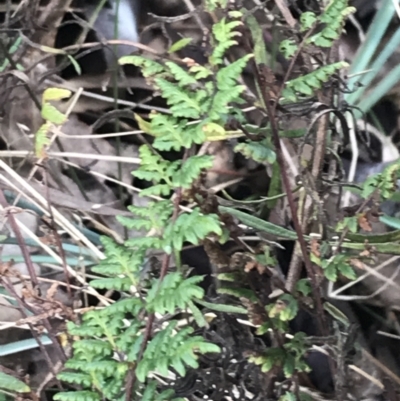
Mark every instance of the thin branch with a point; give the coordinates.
(265, 78)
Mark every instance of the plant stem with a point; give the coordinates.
(265, 78)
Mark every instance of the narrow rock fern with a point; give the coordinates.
(122, 351)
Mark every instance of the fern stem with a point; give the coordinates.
(264, 77)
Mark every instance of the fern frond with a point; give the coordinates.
(227, 77)
(309, 83)
(149, 67)
(182, 104)
(151, 394)
(259, 151)
(81, 379)
(77, 396)
(175, 135)
(97, 347)
(224, 33)
(182, 77)
(144, 243)
(191, 228)
(333, 19)
(178, 349)
(118, 283)
(173, 292)
(191, 170)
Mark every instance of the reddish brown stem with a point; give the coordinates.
(264, 76)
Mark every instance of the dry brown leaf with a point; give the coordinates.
(28, 293)
(39, 317)
(51, 292)
(4, 267)
(189, 62)
(365, 253)
(48, 239)
(364, 223)
(250, 265)
(315, 246)
(357, 263)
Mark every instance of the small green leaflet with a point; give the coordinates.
(180, 44)
(198, 316)
(258, 151)
(337, 314)
(11, 383)
(260, 52)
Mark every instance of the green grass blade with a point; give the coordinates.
(11, 383)
(374, 37)
(366, 79)
(380, 90)
(259, 224)
(23, 345)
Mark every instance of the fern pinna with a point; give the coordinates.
(125, 348)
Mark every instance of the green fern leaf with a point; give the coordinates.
(84, 330)
(137, 224)
(221, 102)
(227, 77)
(307, 84)
(155, 215)
(175, 135)
(97, 347)
(151, 394)
(176, 349)
(157, 190)
(258, 151)
(181, 103)
(118, 283)
(224, 33)
(81, 379)
(120, 260)
(154, 210)
(149, 67)
(191, 170)
(131, 348)
(77, 396)
(332, 19)
(173, 292)
(181, 76)
(192, 228)
(288, 48)
(260, 51)
(144, 242)
(200, 72)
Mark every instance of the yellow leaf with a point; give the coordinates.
(144, 125)
(41, 140)
(55, 94)
(213, 130)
